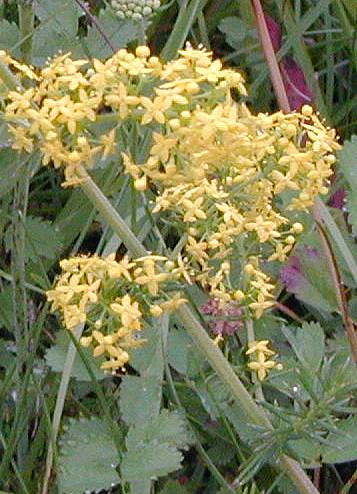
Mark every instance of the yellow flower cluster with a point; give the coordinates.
(226, 178)
(58, 114)
(263, 364)
(113, 298)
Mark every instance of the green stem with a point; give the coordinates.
(26, 22)
(61, 396)
(200, 337)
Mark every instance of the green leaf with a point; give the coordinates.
(11, 166)
(42, 240)
(182, 354)
(167, 427)
(57, 30)
(150, 461)
(152, 447)
(308, 344)
(72, 218)
(308, 450)
(9, 37)
(56, 356)
(88, 458)
(140, 397)
(348, 161)
(235, 29)
(343, 443)
(120, 32)
(60, 15)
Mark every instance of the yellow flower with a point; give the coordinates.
(108, 143)
(259, 347)
(128, 311)
(147, 274)
(154, 109)
(118, 269)
(261, 366)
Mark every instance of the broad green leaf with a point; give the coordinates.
(72, 218)
(56, 356)
(348, 161)
(88, 458)
(182, 354)
(61, 15)
(167, 427)
(343, 443)
(57, 30)
(308, 344)
(120, 32)
(9, 37)
(235, 29)
(307, 449)
(140, 397)
(47, 43)
(143, 356)
(150, 461)
(41, 239)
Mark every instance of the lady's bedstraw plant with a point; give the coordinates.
(224, 178)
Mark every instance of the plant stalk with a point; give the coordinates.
(26, 22)
(200, 337)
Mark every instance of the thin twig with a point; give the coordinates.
(267, 47)
(95, 22)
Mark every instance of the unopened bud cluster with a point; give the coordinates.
(135, 9)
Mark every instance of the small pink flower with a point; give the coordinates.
(224, 320)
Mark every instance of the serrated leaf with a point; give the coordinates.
(9, 37)
(120, 32)
(348, 161)
(150, 461)
(56, 356)
(343, 443)
(87, 458)
(308, 344)
(167, 427)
